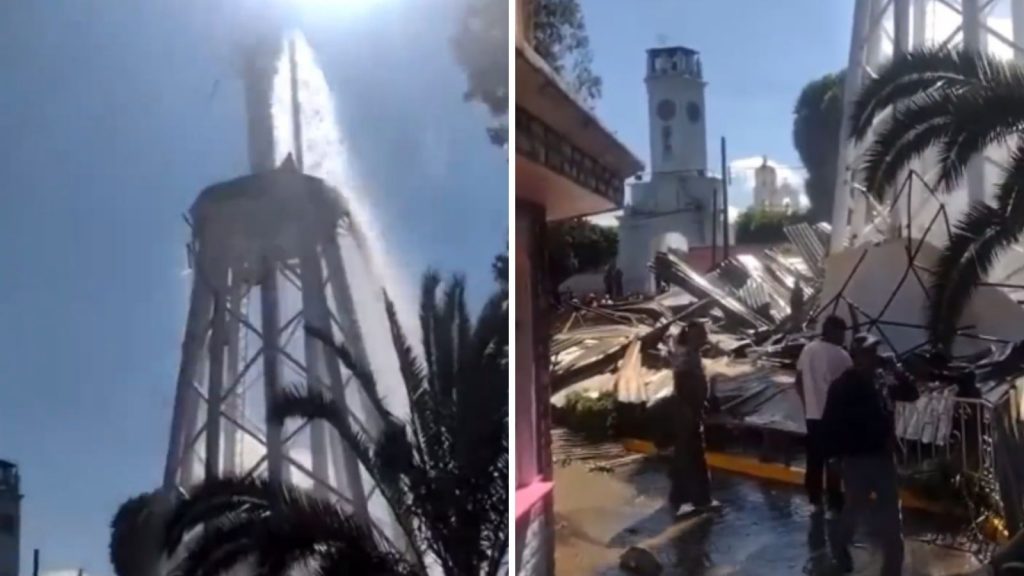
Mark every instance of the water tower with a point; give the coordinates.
(268, 256)
(882, 28)
(10, 518)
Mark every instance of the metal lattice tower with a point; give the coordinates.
(882, 28)
(267, 258)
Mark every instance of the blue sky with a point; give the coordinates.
(113, 119)
(757, 56)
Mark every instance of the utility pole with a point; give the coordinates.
(714, 228)
(725, 204)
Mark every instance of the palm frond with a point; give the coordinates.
(361, 373)
(428, 313)
(916, 73)
(307, 524)
(979, 238)
(432, 442)
(378, 460)
(335, 562)
(463, 328)
(904, 137)
(963, 122)
(135, 536)
(223, 543)
(977, 241)
(979, 118)
(490, 337)
(211, 500)
(445, 355)
(1009, 196)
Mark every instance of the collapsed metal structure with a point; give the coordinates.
(881, 287)
(884, 28)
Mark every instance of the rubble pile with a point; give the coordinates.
(748, 301)
(760, 311)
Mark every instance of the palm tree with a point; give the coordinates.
(960, 102)
(227, 522)
(135, 536)
(443, 472)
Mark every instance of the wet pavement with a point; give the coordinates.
(763, 529)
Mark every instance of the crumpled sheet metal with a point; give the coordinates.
(677, 272)
(808, 243)
(791, 268)
(629, 386)
(595, 348)
(573, 340)
(929, 420)
(764, 282)
(750, 395)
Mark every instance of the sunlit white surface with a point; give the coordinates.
(941, 25)
(337, 7)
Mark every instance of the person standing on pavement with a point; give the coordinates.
(820, 363)
(691, 485)
(860, 430)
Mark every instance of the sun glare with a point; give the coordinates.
(338, 6)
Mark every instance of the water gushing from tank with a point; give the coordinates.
(324, 155)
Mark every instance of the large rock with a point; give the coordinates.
(640, 561)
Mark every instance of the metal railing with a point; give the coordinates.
(941, 427)
(947, 449)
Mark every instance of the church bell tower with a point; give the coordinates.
(675, 96)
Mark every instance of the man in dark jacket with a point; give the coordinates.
(691, 485)
(860, 429)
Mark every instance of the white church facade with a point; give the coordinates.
(769, 194)
(676, 207)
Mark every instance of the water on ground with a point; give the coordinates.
(763, 529)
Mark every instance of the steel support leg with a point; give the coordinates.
(215, 388)
(852, 83)
(232, 404)
(1017, 19)
(271, 328)
(312, 283)
(200, 305)
(346, 465)
(972, 30)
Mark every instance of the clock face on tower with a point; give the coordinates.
(666, 110)
(693, 112)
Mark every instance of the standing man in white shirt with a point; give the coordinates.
(820, 363)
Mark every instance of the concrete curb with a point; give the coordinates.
(750, 466)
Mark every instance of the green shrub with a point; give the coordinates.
(593, 417)
(757, 226)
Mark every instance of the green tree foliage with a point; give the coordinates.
(817, 120)
(959, 102)
(481, 46)
(757, 226)
(560, 37)
(499, 267)
(577, 246)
